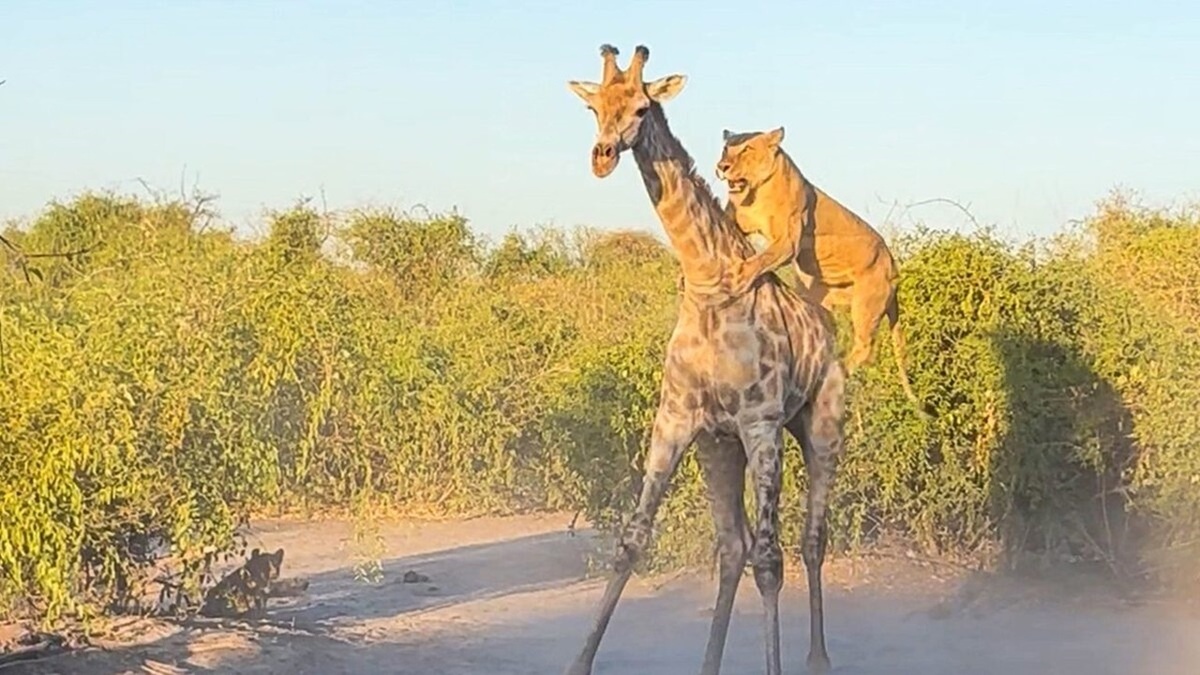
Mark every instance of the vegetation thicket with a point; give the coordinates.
(173, 378)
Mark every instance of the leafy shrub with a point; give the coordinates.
(173, 380)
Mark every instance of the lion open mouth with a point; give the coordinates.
(737, 185)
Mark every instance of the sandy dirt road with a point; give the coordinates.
(512, 596)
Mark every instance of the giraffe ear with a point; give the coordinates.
(584, 90)
(665, 88)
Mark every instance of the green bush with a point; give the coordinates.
(173, 379)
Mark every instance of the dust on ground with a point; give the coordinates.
(514, 596)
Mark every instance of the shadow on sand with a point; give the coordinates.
(456, 576)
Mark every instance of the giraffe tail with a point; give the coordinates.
(899, 348)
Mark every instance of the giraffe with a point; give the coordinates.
(739, 370)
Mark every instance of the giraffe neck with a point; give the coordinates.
(703, 238)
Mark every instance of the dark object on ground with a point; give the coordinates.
(244, 591)
(288, 588)
(32, 646)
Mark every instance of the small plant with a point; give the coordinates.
(367, 545)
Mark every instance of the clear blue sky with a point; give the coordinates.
(1029, 111)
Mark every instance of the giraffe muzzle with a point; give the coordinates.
(604, 159)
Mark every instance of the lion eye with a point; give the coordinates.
(641, 112)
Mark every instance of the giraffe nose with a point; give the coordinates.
(604, 158)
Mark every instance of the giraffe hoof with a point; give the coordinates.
(818, 664)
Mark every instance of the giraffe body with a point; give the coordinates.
(740, 369)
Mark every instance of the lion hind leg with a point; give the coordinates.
(867, 307)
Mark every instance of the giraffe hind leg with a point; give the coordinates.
(673, 431)
(818, 430)
(723, 463)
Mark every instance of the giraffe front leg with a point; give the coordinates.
(674, 429)
(764, 447)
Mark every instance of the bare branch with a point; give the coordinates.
(61, 254)
(146, 186)
(34, 647)
(951, 202)
(19, 258)
(326, 220)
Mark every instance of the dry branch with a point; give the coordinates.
(19, 259)
(33, 647)
(945, 200)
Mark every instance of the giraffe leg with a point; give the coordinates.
(818, 429)
(674, 429)
(724, 465)
(764, 448)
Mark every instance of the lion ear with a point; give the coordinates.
(726, 135)
(775, 136)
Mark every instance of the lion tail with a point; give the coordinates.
(899, 347)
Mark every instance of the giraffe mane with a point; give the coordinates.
(721, 222)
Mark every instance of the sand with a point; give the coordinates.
(509, 596)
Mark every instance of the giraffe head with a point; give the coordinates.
(620, 102)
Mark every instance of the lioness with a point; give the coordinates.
(839, 258)
(244, 591)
